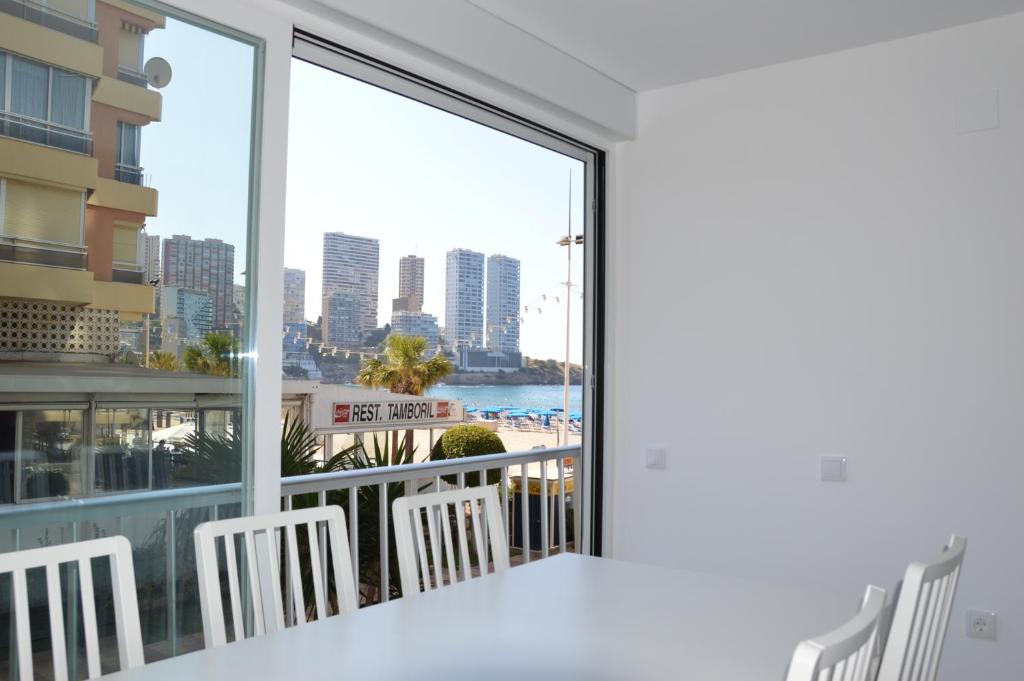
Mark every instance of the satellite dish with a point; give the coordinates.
(158, 72)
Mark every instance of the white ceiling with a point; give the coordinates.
(646, 44)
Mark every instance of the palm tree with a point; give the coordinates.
(164, 361)
(216, 355)
(404, 372)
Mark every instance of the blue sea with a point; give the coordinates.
(521, 396)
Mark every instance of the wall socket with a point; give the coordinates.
(981, 624)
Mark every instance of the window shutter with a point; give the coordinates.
(37, 212)
(129, 50)
(126, 244)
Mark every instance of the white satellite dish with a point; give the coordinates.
(158, 72)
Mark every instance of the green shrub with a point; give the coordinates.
(468, 440)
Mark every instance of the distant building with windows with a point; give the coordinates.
(488, 361)
(407, 323)
(341, 319)
(73, 204)
(503, 304)
(186, 317)
(297, 361)
(206, 265)
(351, 266)
(410, 284)
(464, 299)
(151, 257)
(294, 296)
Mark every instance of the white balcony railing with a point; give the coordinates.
(41, 252)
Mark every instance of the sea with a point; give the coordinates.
(520, 396)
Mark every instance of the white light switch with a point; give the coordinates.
(833, 469)
(657, 458)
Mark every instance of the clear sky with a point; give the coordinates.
(366, 162)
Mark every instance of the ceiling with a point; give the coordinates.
(647, 44)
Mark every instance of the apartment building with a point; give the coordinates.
(206, 265)
(464, 299)
(73, 103)
(503, 286)
(294, 296)
(351, 264)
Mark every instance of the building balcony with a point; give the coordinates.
(129, 75)
(29, 129)
(50, 17)
(124, 172)
(128, 273)
(122, 195)
(40, 252)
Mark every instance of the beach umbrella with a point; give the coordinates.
(575, 415)
(470, 410)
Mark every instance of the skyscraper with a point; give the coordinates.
(464, 299)
(294, 296)
(410, 281)
(502, 303)
(351, 265)
(206, 265)
(343, 309)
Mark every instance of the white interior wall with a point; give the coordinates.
(812, 261)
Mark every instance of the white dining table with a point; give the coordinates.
(565, 617)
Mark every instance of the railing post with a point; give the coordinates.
(524, 509)
(545, 536)
(385, 577)
(172, 584)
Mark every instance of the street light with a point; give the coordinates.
(568, 241)
(154, 283)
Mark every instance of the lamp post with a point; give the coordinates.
(145, 332)
(568, 241)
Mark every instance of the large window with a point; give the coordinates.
(124, 406)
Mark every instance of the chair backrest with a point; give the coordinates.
(921, 617)
(846, 653)
(126, 606)
(483, 510)
(259, 548)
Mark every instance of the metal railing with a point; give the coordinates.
(51, 17)
(130, 75)
(41, 252)
(516, 480)
(31, 129)
(124, 172)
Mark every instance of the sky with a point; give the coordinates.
(367, 162)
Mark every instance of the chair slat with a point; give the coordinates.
(58, 645)
(478, 537)
(234, 592)
(449, 550)
(92, 644)
(460, 522)
(435, 545)
(421, 549)
(315, 559)
(275, 609)
(295, 573)
(24, 633)
(255, 585)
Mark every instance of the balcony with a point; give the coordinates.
(40, 252)
(127, 273)
(52, 18)
(29, 129)
(130, 75)
(124, 172)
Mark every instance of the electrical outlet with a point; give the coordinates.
(981, 624)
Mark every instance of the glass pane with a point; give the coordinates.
(3, 82)
(29, 87)
(52, 453)
(122, 381)
(122, 449)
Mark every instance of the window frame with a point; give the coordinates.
(319, 51)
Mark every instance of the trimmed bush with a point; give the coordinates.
(468, 440)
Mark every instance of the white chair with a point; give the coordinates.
(126, 606)
(448, 508)
(260, 550)
(846, 653)
(921, 617)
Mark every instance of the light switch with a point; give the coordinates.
(657, 458)
(833, 469)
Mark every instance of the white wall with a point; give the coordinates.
(811, 261)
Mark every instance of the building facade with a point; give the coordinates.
(410, 281)
(351, 265)
(186, 317)
(344, 312)
(464, 299)
(503, 287)
(151, 257)
(406, 323)
(206, 265)
(294, 296)
(72, 200)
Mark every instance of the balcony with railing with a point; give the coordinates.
(133, 76)
(125, 172)
(41, 252)
(30, 129)
(51, 17)
(127, 273)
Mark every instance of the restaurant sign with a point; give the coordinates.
(391, 413)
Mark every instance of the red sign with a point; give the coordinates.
(442, 410)
(342, 413)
